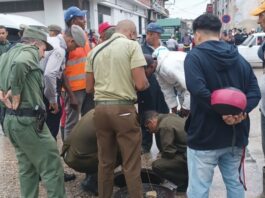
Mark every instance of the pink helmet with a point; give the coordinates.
(228, 101)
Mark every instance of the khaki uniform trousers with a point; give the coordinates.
(37, 156)
(118, 126)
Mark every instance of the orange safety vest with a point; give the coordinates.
(75, 67)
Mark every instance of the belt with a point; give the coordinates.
(22, 112)
(114, 102)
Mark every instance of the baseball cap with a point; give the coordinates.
(259, 9)
(34, 33)
(154, 27)
(72, 12)
(79, 35)
(56, 28)
(104, 26)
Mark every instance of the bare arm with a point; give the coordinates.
(90, 82)
(139, 78)
(66, 86)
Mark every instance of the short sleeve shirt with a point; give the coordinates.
(112, 68)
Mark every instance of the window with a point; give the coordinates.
(21, 6)
(103, 10)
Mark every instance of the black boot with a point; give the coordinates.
(90, 184)
(69, 177)
(62, 133)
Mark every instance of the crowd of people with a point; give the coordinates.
(87, 87)
(235, 36)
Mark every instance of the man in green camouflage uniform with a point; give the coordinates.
(173, 163)
(4, 46)
(21, 90)
(4, 43)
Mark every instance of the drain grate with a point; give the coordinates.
(119, 179)
(162, 192)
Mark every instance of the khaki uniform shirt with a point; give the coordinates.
(112, 68)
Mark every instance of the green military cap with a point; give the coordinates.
(56, 28)
(34, 33)
(78, 35)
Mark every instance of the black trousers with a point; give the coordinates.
(2, 116)
(53, 120)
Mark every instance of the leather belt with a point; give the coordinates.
(22, 112)
(114, 102)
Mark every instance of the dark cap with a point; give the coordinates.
(56, 28)
(154, 27)
(34, 33)
(72, 12)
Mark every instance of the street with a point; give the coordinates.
(9, 184)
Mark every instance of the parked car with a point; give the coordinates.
(249, 48)
(12, 23)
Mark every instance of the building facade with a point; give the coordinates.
(238, 11)
(52, 11)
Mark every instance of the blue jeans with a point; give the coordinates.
(263, 132)
(201, 164)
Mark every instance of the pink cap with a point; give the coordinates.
(104, 26)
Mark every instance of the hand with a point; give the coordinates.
(73, 102)
(15, 102)
(183, 112)
(5, 98)
(174, 110)
(54, 107)
(234, 119)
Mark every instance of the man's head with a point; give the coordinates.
(38, 38)
(74, 37)
(260, 12)
(102, 28)
(3, 34)
(153, 33)
(151, 65)
(127, 28)
(206, 27)
(54, 30)
(151, 121)
(75, 16)
(22, 27)
(108, 33)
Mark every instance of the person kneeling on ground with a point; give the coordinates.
(80, 151)
(173, 163)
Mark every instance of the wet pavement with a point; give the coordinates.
(9, 184)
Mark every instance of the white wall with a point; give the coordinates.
(93, 14)
(37, 15)
(53, 12)
(240, 10)
(125, 10)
